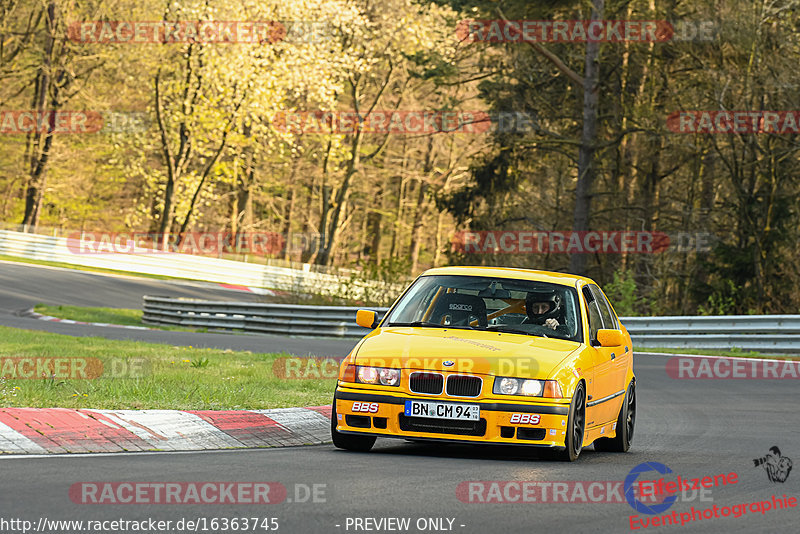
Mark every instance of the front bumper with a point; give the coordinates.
(539, 423)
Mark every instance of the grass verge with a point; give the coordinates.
(120, 316)
(93, 315)
(140, 376)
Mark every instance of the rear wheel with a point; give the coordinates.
(348, 442)
(576, 424)
(625, 425)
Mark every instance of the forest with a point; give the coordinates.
(651, 145)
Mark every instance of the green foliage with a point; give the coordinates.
(722, 301)
(376, 284)
(199, 363)
(621, 291)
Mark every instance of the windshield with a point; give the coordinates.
(488, 303)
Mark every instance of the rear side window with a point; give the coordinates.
(609, 320)
(593, 313)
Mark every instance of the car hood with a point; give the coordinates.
(466, 351)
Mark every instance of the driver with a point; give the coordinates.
(542, 308)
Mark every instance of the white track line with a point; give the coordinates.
(790, 359)
(11, 440)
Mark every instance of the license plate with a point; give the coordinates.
(443, 410)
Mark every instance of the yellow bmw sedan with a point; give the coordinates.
(491, 355)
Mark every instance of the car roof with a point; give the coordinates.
(509, 272)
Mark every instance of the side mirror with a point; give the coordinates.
(609, 338)
(366, 318)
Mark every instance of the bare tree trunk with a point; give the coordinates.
(39, 143)
(373, 236)
(437, 254)
(420, 212)
(325, 200)
(289, 214)
(326, 254)
(342, 195)
(363, 250)
(398, 216)
(586, 171)
(377, 236)
(308, 239)
(416, 229)
(398, 212)
(176, 163)
(203, 177)
(243, 201)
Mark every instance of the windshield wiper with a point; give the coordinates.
(512, 330)
(429, 324)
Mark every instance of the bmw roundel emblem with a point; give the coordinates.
(448, 363)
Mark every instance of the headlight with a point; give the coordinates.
(367, 375)
(378, 375)
(389, 377)
(504, 385)
(507, 386)
(531, 387)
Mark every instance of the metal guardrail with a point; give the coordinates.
(289, 319)
(760, 333)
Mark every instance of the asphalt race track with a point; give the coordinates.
(22, 286)
(695, 427)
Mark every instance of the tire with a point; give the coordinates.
(348, 442)
(576, 425)
(626, 423)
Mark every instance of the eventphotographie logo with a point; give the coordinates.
(777, 467)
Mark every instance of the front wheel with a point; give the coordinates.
(348, 442)
(625, 424)
(576, 423)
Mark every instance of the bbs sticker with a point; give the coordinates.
(365, 407)
(526, 418)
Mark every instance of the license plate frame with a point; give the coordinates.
(443, 410)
